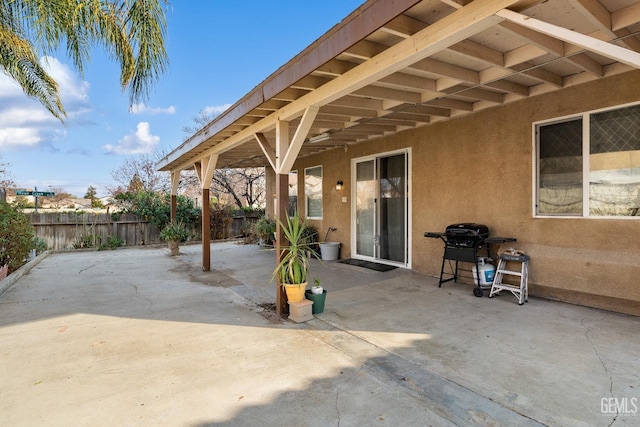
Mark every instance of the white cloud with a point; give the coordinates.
(13, 137)
(73, 91)
(139, 142)
(24, 122)
(141, 108)
(26, 116)
(215, 110)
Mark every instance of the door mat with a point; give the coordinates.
(368, 264)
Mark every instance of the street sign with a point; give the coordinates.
(35, 193)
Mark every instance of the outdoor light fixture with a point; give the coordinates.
(319, 138)
(339, 185)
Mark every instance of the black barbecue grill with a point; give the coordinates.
(464, 242)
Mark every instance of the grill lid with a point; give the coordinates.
(467, 234)
(468, 229)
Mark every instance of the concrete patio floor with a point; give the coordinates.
(135, 337)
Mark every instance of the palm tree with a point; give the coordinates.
(131, 31)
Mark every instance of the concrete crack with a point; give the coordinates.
(139, 295)
(604, 366)
(85, 269)
(337, 406)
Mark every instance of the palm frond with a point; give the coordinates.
(19, 61)
(131, 31)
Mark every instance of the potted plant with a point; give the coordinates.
(318, 295)
(317, 287)
(294, 263)
(174, 233)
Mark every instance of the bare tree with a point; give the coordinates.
(236, 186)
(242, 186)
(58, 200)
(140, 172)
(5, 176)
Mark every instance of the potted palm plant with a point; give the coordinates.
(174, 233)
(294, 258)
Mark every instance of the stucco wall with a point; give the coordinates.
(478, 168)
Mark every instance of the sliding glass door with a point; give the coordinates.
(381, 208)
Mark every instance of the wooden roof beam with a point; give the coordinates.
(440, 68)
(408, 81)
(428, 110)
(542, 41)
(365, 49)
(604, 20)
(453, 104)
(475, 93)
(359, 102)
(539, 74)
(509, 87)
(386, 93)
(480, 52)
(335, 67)
(310, 82)
(625, 17)
(353, 113)
(403, 26)
(605, 49)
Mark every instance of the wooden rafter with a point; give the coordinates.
(591, 44)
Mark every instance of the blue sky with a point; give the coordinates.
(218, 51)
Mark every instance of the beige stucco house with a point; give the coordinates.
(521, 115)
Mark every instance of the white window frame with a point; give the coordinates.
(306, 194)
(586, 152)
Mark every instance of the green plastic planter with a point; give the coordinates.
(318, 300)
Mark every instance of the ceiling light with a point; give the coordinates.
(321, 137)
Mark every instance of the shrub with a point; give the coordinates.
(39, 244)
(111, 243)
(174, 231)
(265, 228)
(16, 237)
(220, 218)
(156, 208)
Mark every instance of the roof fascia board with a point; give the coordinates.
(457, 26)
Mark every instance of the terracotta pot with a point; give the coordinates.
(295, 293)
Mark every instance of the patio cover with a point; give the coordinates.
(393, 65)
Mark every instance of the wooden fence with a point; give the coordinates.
(69, 230)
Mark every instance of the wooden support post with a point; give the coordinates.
(174, 207)
(175, 182)
(282, 201)
(206, 231)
